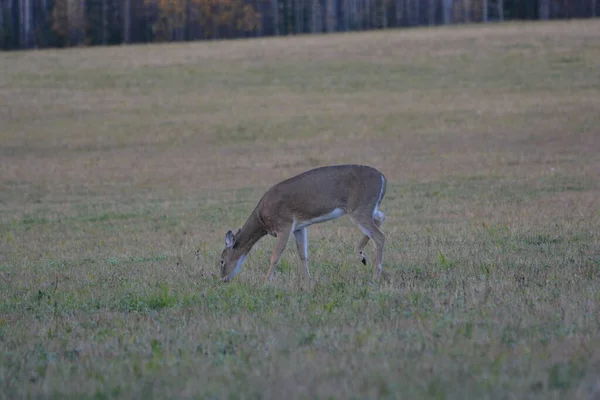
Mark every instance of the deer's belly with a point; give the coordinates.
(335, 214)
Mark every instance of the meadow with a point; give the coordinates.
(121, 169)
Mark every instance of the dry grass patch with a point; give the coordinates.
(122, 168)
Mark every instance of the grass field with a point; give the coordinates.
(122, 168)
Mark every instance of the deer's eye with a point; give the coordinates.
(222, 263)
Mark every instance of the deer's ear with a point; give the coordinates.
(229, 239)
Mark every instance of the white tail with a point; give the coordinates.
(315, 196)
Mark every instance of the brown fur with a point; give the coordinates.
(355, 189)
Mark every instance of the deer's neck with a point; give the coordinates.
(250, 233)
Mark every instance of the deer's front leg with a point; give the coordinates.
(282, 239)
(302, 246)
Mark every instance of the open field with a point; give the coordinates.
(122, 168)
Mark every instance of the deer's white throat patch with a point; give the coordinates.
(238, 267)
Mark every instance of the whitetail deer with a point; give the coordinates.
(314, 196)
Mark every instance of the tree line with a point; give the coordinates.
(28, 24)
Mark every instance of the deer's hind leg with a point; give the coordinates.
(378, 218)
(366, 222)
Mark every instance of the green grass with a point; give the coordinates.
(122, 168)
